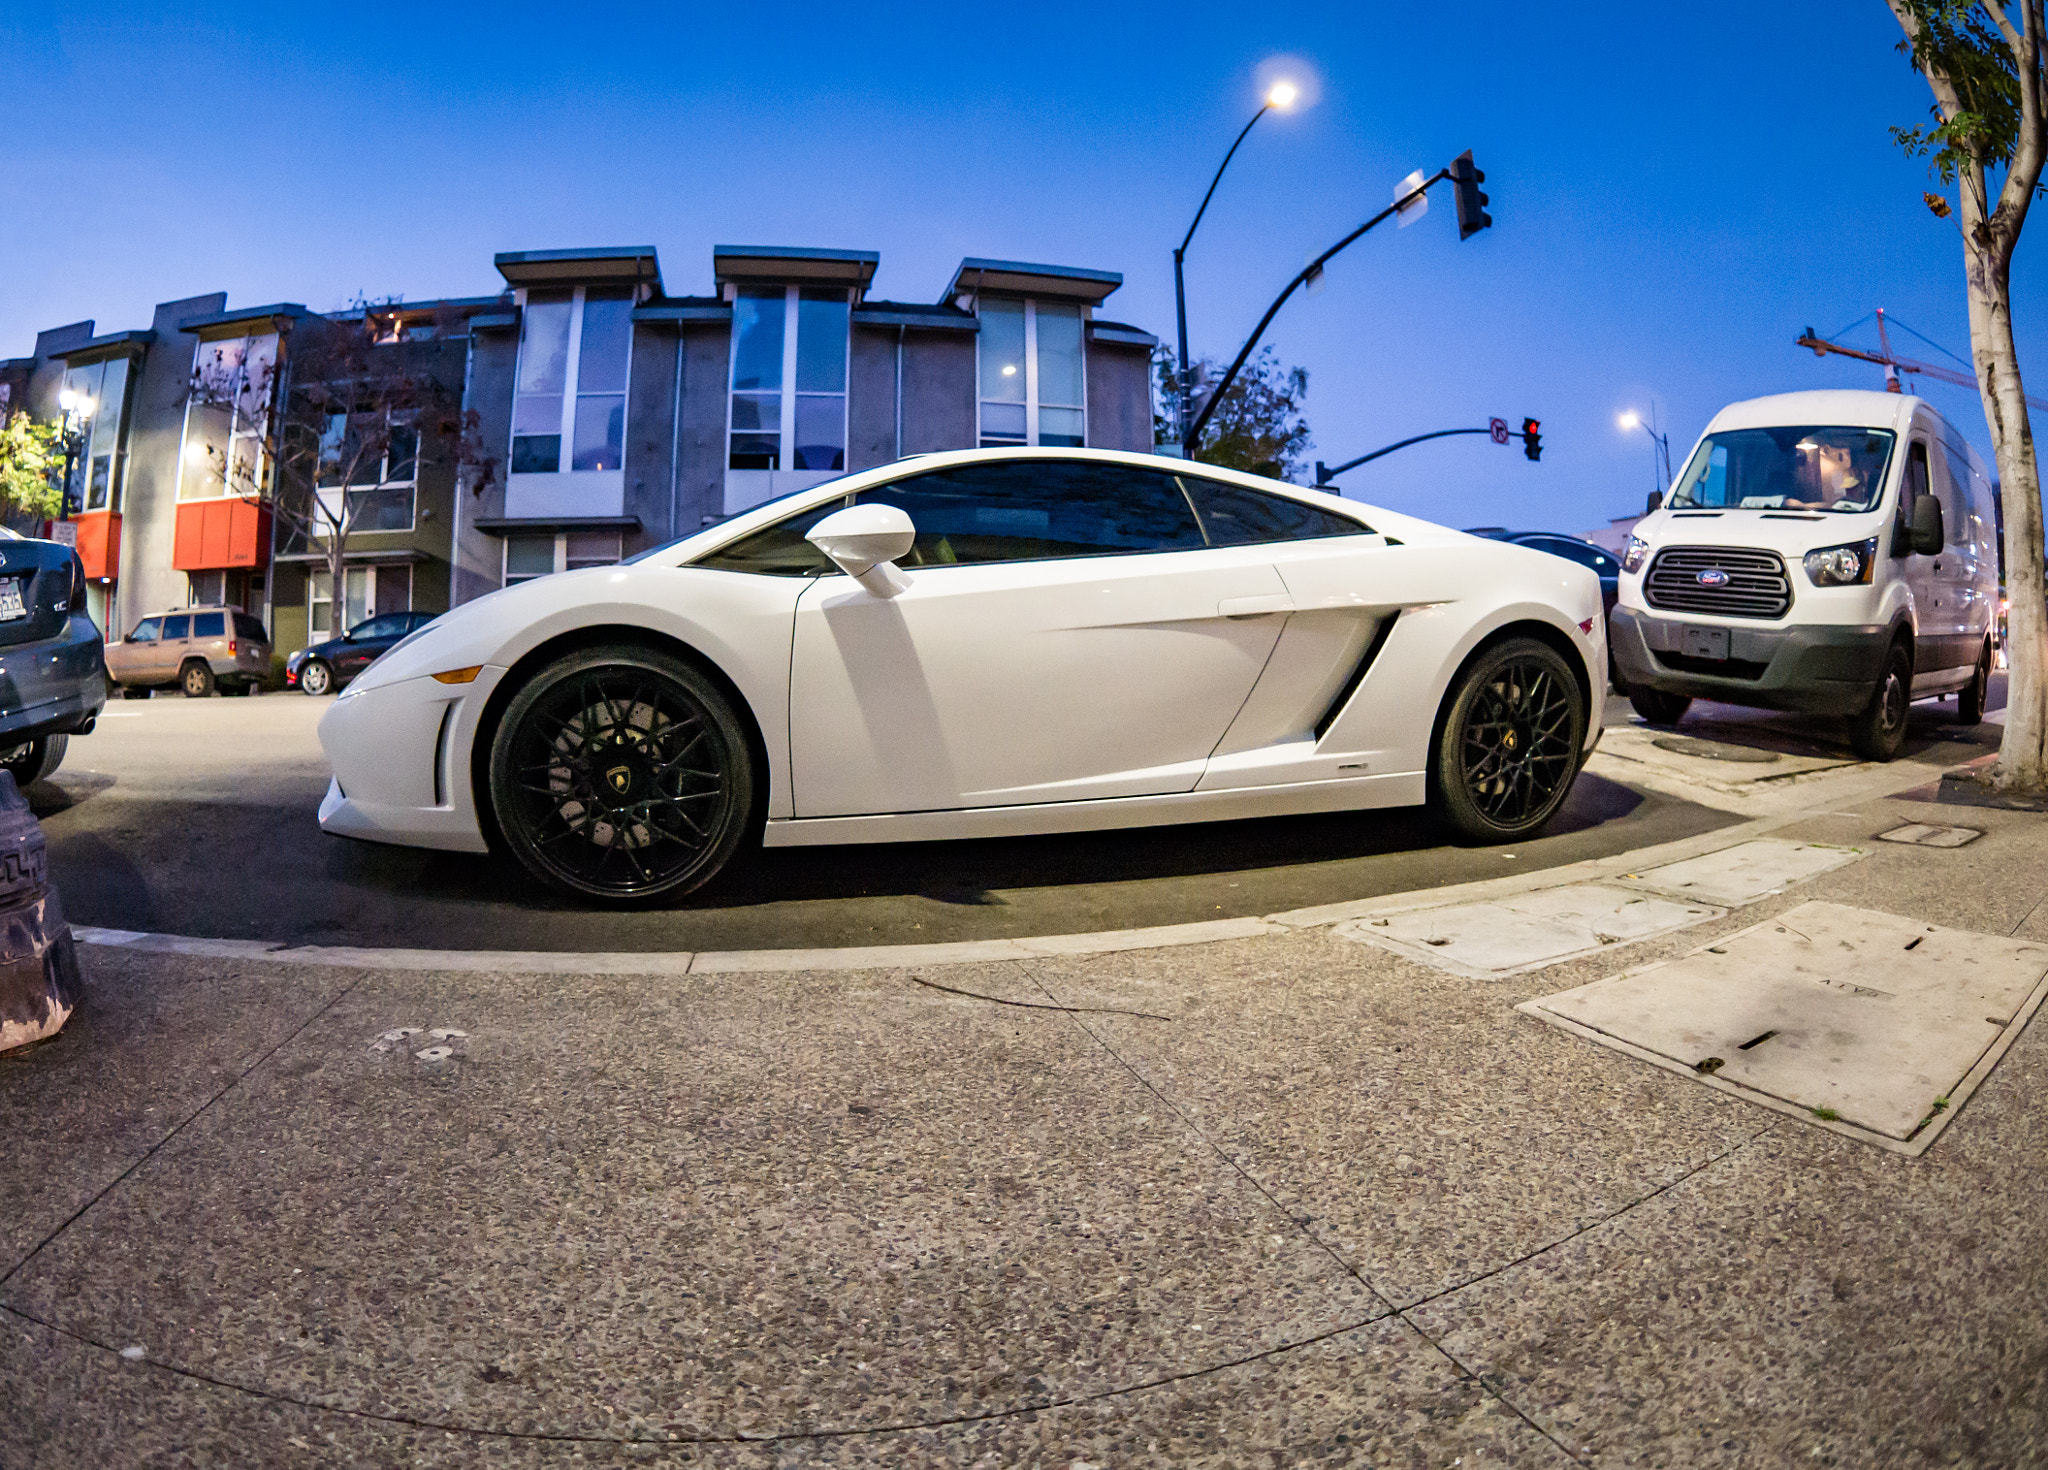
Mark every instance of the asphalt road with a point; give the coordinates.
(197, 817)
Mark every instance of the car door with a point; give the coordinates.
(1067, 634)
(210, 640)
(135, 658)
(170, 654)
(363, 643)
(1934, 633)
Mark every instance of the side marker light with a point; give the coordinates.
(460, 676)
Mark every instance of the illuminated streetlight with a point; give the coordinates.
(1281, 93)
(1633, 420)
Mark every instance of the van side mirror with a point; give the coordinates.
(1927, 528)
(864, 542)
(1655, 501)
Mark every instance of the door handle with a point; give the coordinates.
(1255, 607)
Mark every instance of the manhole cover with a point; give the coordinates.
(1922, 835)
(1714, 750)
(1877, 1024)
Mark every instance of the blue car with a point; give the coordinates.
(53, 665)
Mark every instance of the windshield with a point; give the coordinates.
(1810, 467)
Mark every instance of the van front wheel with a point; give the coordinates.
(1880, 730)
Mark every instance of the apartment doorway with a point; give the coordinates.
(366, 592)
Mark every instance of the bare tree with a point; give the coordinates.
(1986, 75)
(339, 410)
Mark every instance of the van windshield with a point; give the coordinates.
(1809, 467)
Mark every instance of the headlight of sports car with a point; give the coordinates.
(1842, 566)
(1634, 554)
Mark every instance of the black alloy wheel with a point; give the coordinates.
(196, 680)
(1509, 745)
(1880, 730)
(316, 678)
(622, 774)
(1970, 702)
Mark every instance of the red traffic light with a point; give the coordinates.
(1532, 438)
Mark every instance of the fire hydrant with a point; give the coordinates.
(39, 979)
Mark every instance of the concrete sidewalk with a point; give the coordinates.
(1280, 1200)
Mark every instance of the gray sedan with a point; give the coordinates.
(53, 671)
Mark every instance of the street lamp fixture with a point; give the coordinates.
(1662, 460)
(1281, 96)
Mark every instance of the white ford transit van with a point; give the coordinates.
(1831, 552)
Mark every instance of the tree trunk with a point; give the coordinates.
(1987, 256)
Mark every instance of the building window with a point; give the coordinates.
(227, 419)
(101, 388)
(575, 346)
(527, 557)
(366, 593)
(380, 471)
(789, 346)
(1034, 387)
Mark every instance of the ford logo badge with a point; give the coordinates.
(1712, 577)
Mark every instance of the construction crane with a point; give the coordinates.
(1893, 364)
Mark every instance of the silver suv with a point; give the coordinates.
(195, 649)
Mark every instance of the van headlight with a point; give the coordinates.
(1634, 554)
(1842, 566)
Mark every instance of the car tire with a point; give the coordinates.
(587, 785)
(196, 679)
(133, 691)
(1879, 731)
(35, 761)
(1509, 743)
(1657, 707)
(316, 678)
(1970, 701)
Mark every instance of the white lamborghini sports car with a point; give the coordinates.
(977, 644)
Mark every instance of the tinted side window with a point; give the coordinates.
(248, 627)
(1235, 516)
(384, 627)
(778, 550)
(178, 627)
(146, 631)
(1036, 510)
(210, 625)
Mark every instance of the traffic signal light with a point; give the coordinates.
(1472, 215)
(1532, 439)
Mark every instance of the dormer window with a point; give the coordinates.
(1033, 376)
(789, 346)
(569, 412)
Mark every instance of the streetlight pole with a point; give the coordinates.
(1281, 95)
(1634, 420)
(77, 410)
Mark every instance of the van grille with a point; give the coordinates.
(1757, 586)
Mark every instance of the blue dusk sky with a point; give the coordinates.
(1677, 191)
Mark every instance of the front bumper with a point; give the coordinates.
(1822, 669)
(399, 753)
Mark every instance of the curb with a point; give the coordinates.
(1880, 782)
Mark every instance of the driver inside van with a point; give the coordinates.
(1825, 474)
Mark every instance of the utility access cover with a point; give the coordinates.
(1875, 1025)
(1745, 872)
(1486, 940)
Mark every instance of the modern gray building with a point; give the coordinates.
(608, 416)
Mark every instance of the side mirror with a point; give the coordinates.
(1655, 501)
(1927, 529)
(864, 541)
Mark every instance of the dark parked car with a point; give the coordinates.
(326, 667)
(53, 667)
(1605, 564)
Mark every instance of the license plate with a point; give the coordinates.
(1706, 643)
(11, 605)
